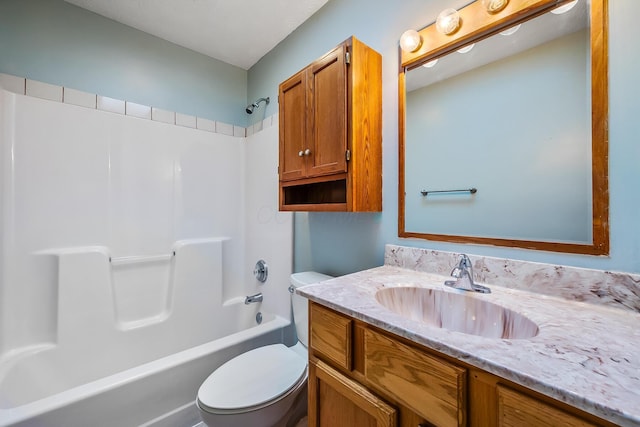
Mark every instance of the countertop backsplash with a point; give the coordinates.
(613, 289)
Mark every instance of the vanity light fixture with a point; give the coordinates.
(494, 6)
(410, 41)
(467, 48)
(448, 21)
(564, 8)
(430, 64)
(511, 30)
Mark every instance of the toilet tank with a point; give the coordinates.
(301, 305)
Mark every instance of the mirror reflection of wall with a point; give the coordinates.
(540, 189)
(512, 118)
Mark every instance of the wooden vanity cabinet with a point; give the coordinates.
(330, 152)
(345, 386)
(360, 375)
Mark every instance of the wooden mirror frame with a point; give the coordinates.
(477, 24)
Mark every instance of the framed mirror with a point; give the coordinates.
(503, 128)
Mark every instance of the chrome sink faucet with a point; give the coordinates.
(463, 273)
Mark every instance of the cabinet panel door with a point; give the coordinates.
(335, 400)
(519, 410)
(430, 386)
(328, 114)
(293, 131)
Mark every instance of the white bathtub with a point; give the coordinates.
(131, 338)
(158, 393)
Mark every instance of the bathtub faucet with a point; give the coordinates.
(253, 298)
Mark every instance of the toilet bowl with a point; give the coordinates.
(264, 387)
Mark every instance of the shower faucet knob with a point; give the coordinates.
(261, 271)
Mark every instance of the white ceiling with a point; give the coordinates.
(238, 32)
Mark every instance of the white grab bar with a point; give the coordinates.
(141, 259)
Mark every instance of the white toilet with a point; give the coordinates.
(264, 387)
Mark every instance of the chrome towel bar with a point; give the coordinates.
(468, 190)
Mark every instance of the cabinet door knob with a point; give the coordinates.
(300, 153)
(307, 152)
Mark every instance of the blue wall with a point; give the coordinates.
(340, 243)
(58, 43)
(55, 42)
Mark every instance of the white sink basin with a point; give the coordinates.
(457, 312)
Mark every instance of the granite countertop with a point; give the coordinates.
(585, 355)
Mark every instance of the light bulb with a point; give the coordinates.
(466, 48)
(448, 21)
(494, 6)
(564, 8)
(511, 30)
(410, 41)
(430, 64)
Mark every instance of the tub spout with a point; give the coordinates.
(253, 298)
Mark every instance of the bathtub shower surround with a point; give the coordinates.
(124, 256)
(613, 289)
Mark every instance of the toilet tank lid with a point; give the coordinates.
(308, 278)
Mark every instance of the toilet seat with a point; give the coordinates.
(234, 386)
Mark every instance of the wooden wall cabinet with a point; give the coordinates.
(330, 118)
(362, 376)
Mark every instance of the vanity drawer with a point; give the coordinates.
(433, 388)
(516, 409)
(331, 335)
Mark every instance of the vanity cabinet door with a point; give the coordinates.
(516, 409)
(431, 387)
(335, 400)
